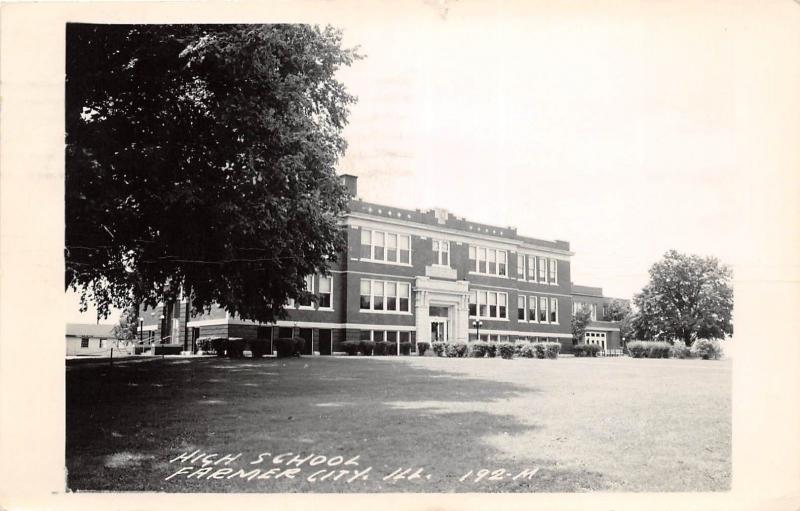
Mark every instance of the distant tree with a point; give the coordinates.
(128, 326)
(617, 310)
(688, 297)
(581, 318)
(201, 159)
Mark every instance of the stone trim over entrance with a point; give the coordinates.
(442, 293)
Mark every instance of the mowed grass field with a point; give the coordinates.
(566, 425)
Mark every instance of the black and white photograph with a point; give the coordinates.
(434, 248)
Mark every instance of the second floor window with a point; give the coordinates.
(488, 261)
(441, 253)
(553, 310)
(532, 268)
(542, 263)
(543, 310)
(489, 304)
(306, 300)
(385, 247)
(520, 267)
(553, 274)
(381, 295)
(325, 291)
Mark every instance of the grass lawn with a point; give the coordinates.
(615, 424)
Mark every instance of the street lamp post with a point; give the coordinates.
(141, 325)
(477, 324)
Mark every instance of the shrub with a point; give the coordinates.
(478, 349)
(707, 349)
(637, 349)
(456, 350)
(405, 348)
(366, 347)
(540, 350)
(680, 350)
(351, 347)
(235, 348)
(422, 347)
(527, 350)
(218, 345)
(381, 347)
(491, 349)
(506, 350)
(438, 348)
(168, 349)
(552, 349)
(289, 346)
(391, 348)
(658, 349)
(585, 350)
(258, 348)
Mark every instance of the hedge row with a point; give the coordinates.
(507, 350)
(701, 348)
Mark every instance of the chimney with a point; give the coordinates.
(351, 182)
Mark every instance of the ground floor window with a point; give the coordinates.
(84, 342)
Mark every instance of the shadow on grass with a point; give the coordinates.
(125, 424)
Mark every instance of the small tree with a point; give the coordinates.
(688, 297)
(580, 320)
(128, 325)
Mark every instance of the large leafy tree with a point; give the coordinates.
(201, 159)
(580, 320)
(688, 297)
(617, 310)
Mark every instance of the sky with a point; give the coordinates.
(618, 130)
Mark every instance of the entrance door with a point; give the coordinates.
(439, 330)
(306, 334)
(325, 342)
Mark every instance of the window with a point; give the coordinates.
(378, 335)
(483, 307)
(532, 308)
(521, 308)
(520, 267)
(553, 310)
(391, 247)
(366, 244)
(405, 249)
(594, 312)
(378, 248)
(543, 309)
(366, 293)
(385, 247)
(532, 268)
(325, 291)
(306, 300)
(473, 303)
(542, 263)
(488, 261)
(490, 304)
(441, 253)
(84, 342)
(379, 295)
(391, 296)
(378, 288)
(366, 335)
(553, 271)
